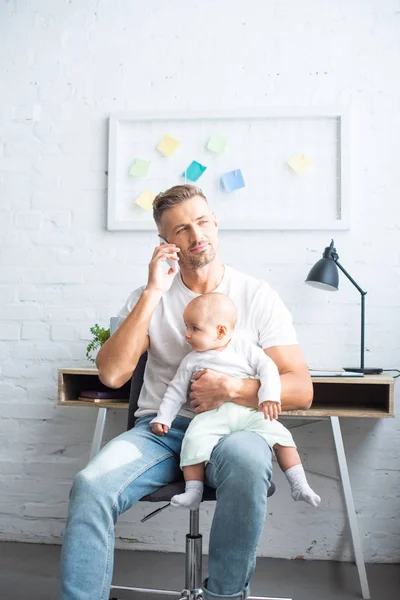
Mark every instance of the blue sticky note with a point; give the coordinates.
(232, 180)
(194, 171)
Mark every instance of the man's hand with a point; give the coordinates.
(209, 390)
(159, 428)
(270, 409)
(158, 279)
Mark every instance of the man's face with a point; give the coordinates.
(193, 228)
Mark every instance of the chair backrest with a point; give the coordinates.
(136, 386)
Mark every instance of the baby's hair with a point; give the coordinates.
(218, 307)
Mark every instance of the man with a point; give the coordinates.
(138, 462)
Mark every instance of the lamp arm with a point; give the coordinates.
(362, 292)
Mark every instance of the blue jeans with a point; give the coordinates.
(137, 463)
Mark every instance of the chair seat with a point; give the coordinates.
(165, 493)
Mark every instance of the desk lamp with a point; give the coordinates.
(325, 276)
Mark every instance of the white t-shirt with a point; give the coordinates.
(239, 359)
(263, 320)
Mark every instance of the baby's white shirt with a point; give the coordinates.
(240, 359)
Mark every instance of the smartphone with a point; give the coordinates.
(171, 263)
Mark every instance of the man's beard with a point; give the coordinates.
(195, 262)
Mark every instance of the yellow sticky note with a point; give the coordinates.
(168, 145)
(145, 200)
(299, 162)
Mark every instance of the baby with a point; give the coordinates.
(210, 321)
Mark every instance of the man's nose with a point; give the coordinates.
(196, 235)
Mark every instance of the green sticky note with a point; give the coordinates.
(217, 143)
(139, 168)
(194, 171)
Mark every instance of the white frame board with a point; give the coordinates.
(342, 208)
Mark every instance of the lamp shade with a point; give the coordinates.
(324, 274)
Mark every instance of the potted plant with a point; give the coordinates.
(102, 394)
(100, 335)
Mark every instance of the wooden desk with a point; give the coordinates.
(371, 396)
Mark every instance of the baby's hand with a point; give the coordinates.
(159, 428)
(270, 409)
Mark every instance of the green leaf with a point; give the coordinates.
(100, 336)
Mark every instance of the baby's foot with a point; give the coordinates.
(191, 498)
(304, 492)
(299, 485)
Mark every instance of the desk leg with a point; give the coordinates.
(351, 512)
(98, 432)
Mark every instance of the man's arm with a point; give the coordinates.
(118, 357)
(297, 389)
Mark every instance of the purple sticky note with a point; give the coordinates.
(232, 180)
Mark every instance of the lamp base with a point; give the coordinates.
(366, 370)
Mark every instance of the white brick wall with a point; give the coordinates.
(65, 66)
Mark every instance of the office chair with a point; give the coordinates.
(193, 552)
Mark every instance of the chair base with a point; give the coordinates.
(193, 569)
(124, 593)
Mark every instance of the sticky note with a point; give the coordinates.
(217, 143)
(168, 145)
(299, 162)
(145, 200)
(194, 171)
(139, 168)
(232, 180)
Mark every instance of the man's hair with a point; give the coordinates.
(172, 197)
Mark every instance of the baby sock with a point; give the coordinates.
(300, 488)
(192, 496)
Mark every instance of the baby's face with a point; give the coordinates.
(201, 331)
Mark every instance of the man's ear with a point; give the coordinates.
(214, 218)
(221, 331)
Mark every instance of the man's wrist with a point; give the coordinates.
(242, 391)
(233, 388)
(152, 294)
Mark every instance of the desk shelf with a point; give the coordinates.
(71, 382)
(369, 396)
